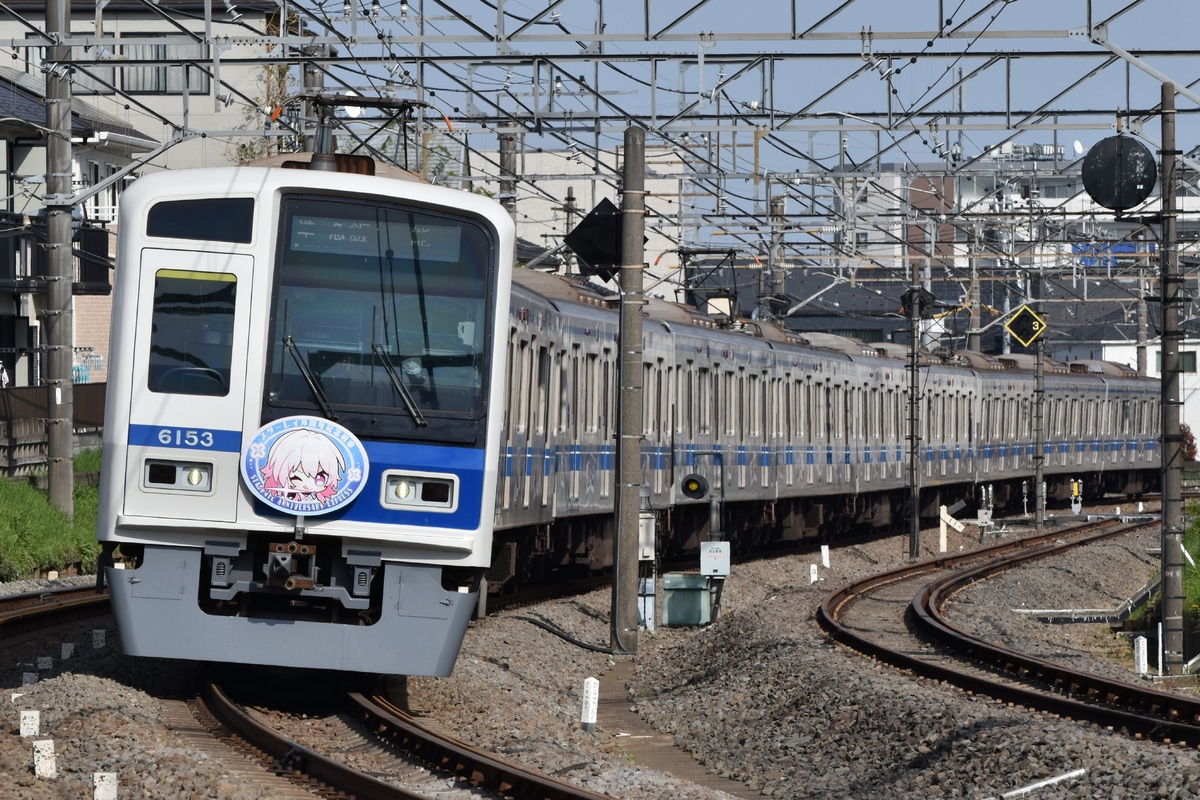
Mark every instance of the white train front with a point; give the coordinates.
(302, 423)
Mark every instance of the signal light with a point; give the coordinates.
(694, 486)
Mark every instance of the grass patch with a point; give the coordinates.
(1191, 576)
(35, 536)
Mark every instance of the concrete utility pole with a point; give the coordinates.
(508, 173)
(1172, 456)
(974, 335)
(633, 261)
(1039, 437)
(913, 478)
(58, 318)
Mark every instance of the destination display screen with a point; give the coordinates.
(398, 235)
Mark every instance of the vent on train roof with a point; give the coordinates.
(840, 344)
(335, 162)
(1028, 361)
(1097, 367)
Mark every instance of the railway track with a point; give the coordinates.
(255, 753)
(29, 612)
(400, 744)
(872, 616)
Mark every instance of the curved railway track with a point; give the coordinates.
(29, 612)
(303, 772)
(873, 616)
(386, 725)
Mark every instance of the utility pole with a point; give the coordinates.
(914, 416)
(58, 318)
(1172, 457)
(571, 210)
(974, 337)
(508, 173)
(1143, 326)
(770, 284)
(624, 632)
(314, 84)
(1039, 436)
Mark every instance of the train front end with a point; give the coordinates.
(303, 417)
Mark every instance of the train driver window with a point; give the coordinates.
(191, 336)
(220, 219)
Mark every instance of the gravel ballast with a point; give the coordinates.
(761, 695)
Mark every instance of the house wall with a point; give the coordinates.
(1189, 382)
(92, 314)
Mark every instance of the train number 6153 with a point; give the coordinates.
(185, 438)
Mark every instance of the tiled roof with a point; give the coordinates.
(21, 105)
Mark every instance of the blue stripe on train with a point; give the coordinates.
(467, 464)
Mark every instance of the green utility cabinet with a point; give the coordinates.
(688, 598)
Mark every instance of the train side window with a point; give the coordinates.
(519, 387)
(543, 393)
(887, 429)
(650, 398)
(569, 393)
(219, 219)
(191, 339)
(669, 406)
(754, 393)
(608, 397)
(590, 414)
(788, 388)
(683, 418)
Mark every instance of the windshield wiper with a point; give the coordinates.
(405, 395)
(310, 378)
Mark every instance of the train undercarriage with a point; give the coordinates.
(581, 546)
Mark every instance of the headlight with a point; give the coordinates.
(185, 475)
(420, 491)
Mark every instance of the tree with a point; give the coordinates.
(280, 88)
(1189, 442)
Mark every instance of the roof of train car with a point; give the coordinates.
(381, 169)
(576, 289)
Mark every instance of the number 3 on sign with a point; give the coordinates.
(181, 437)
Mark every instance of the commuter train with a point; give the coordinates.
(797, 436)
(303, 415)
(336, 413)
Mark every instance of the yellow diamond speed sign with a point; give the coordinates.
(1025, 325)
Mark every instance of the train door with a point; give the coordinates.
(187, 403)
(508, 436)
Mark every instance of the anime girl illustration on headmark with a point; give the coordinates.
(304, 465)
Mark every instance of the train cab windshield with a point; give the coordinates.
(380, 318)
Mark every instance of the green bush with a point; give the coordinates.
(35, 536)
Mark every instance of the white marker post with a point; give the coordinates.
(104, 786)
(946, 520)
(591, 700)
(31, 723)
(825, 556)
(43, 759)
